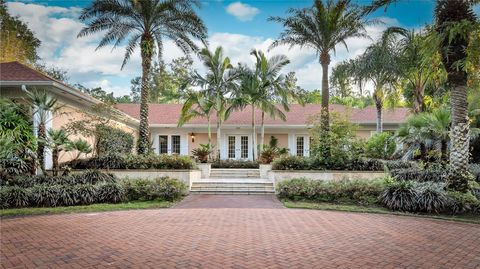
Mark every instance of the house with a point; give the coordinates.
(167, 137)
(236, 132)
(74, 105)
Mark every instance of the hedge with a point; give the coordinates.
(235, 164)
(112, 141)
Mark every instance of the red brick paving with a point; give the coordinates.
(230, 201)
(236, 238)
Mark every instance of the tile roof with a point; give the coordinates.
(298, 115)
(15, 71)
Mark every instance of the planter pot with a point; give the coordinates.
(205, 169)
(264, 170)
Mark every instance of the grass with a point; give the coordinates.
(12, 212)
(375, 209)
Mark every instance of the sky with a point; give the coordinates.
(237, 26)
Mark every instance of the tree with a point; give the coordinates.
(18, 43)
(217, 84)
(449, 14)
(322, 27)
(57, 141)
(146, 24)
(198, 104)
(44, 106)
(341, 81)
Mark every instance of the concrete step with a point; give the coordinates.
(232, 187)
(234, 173)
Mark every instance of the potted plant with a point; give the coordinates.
(202, 153)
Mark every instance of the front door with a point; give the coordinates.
(238, 147)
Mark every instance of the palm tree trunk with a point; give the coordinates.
(325, 116)
(218, 137)
(41, 135)
(254, 135)
(55, 161)
(379, 107)
(262, 136)
(459, 133)
(418, 99)
(146, 51)
(443, 146)
(209, 131)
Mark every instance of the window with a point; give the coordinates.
(175, 144)
(300, 146)
(244, 147)
(231, 147)
(163, 144)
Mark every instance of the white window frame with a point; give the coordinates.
(306, 145)
(170, 143)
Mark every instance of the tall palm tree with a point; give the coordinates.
(197, 104)
(375, 65)
(44, 106)
(217, 84)
(447, 14)
(145, 24)
(275, 88)
(322, 27)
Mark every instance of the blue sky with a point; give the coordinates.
(238, 26)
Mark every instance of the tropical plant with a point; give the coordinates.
(198, 104)
(322, 27)
(217, 84)
(80, 146)
(146, 24)
(57, 141)
(380, 146)
(44, 107)
(272, 151)
(202, 152)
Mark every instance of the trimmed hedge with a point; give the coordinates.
(84, 189)
(235, 164)
(364, 192)
(112, 141)
(133, 162)
(306, 163)
(420, 175)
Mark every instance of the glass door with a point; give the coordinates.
(231, 147)
(238, 147)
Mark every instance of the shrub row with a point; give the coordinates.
(362, 164)
(364, 192)
(67, 194)
(411, 196)
(87, 177)
(235, 164)
(134, 162)
(420, 175)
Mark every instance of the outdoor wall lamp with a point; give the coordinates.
(193, 137)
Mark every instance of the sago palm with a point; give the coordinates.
(322, 27)
(145, 24)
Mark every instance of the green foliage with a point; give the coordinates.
(235, 164)
(305, 163)
(290, 162)
(111, 192)
(459, 180)
(202, 153)
(160, 188)
(420, 175)
(132, 161)
(272, 151)
(380, 146)
(400, 195)
(463, 202)
(112, 141)
(364, 192)
(431, 197)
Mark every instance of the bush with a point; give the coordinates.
(474, 168)
(431, 197)
(235, 164)
(400, 195)
(90, 176)
(289, 162)
(111, 140)
(364, 192)
(14, 196)
(312, 163)
(110, 193)
(84, 194)
(419, 175)
(134, 162)
(399, 164)
(380, 146)
(463, 202)
(161, 188)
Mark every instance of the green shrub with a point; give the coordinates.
(84, 194)
(235, 164)
(160, 188)
(90, 176)
(419, 175)
(459, 180)
(110, 193)
(111, 140)
(463, 202)
(313, 163)
(399, 164)
(14, 196)
(380, 146)
(289, 162)
(134, 162)
(431, 197)
(364, 192)
(474, 168)
(400, 196)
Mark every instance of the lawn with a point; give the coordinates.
(374, 209)
(85, 208)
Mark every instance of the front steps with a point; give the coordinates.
(216, 187)
(233, 181)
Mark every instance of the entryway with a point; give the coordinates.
(238, 147)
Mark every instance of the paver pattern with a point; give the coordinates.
(230, 201)
(236, 238)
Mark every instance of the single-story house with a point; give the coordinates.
(167, 137)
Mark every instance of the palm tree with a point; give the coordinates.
(322, 27)
(44, 106)
(447, 14)
(80, 146)
(217, 84)
(375, 65)
(57, 141)
(145, 24)
(197, 104)
(275, 88)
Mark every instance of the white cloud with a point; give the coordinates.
(243, 12)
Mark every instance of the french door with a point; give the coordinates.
(238, 147)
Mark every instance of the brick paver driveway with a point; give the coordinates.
(237, 238)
